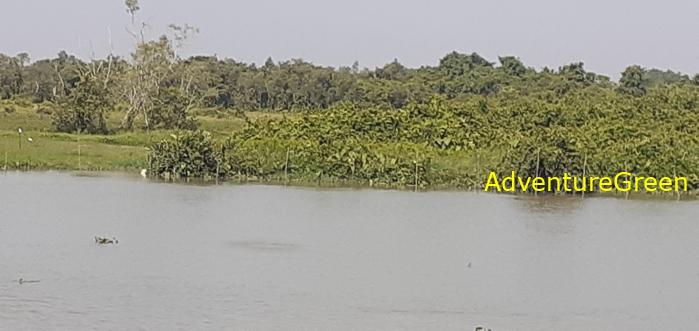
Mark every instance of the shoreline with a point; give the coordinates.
(133, 173)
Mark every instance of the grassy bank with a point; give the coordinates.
(61, 151)
(128, 151)
(262, 155)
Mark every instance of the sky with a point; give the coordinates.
(607, 35)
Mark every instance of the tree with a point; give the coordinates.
(85, 108)
(456, 64)
(512, 65)
(392, 71)
(132, 7)
(655, 77)
(171, 110)
(10, 76)
(632, 81)
(575, 72)
(151, 63)
(152, 71)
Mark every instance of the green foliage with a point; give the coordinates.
(655, 77)
(171, 110)
(84, 110)
(297, 85)
(340, 160)
(592, 130)
(512, 66)
(188, 154)
(391, 126)
(633, 81)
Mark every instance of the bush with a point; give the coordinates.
(84, 109)
(171, 111)
(186, 155)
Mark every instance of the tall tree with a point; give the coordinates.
(632, 81)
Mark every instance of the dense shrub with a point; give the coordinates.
(85, 109)
(596, 131)
(188, 154)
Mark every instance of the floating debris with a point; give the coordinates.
(106, 241)
(26, 281)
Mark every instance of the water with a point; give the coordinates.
(257, 257)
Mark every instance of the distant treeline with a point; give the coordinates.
(297, 84)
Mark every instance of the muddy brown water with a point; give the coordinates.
(253, 257)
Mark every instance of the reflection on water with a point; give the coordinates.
(550, 204)
(262, 246)
(268, 257)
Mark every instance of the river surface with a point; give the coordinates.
(254, 257)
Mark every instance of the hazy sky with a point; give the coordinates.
(607, 35)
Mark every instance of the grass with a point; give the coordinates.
(69, 152)
(62, 151)
(121, 151)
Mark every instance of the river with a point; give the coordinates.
(256, 257)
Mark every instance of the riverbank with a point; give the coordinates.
(39, 147)
(261, 158)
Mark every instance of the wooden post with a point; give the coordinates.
(677, 189)
(537, 168)
(416, 170)
(583, 176)
(626, 194)
(476, 184)
(80, 162)
(286, 167)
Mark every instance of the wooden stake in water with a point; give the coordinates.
(677, 189)
(416, 170)
(80, 162)
(537, 167)
(583, 176)
(626, 194)
(286, 167)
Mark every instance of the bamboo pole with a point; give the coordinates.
(677, 189)
(476, 184)
(416, 170)
(626, 194)
(286, 167)
(80, 161)
(583, 176)
(537, 167)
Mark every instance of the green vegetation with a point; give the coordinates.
(125, 150)
(454, 144)
(434, 126)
